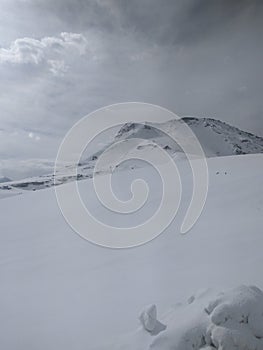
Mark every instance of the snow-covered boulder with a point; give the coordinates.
(231, 320)
(228, 320)
(236, 319)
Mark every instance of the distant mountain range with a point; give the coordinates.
(4, 179)
(217, 138)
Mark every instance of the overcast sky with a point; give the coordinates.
(61, 59)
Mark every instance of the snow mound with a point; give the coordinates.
(229, 320)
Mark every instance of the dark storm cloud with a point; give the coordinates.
(204, 18)
(166, 21)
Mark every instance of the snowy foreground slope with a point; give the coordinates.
(58, 291)
(227, 320)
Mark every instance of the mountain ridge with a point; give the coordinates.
(238, 141)
(216, 137)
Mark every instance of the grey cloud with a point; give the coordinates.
(162, 22)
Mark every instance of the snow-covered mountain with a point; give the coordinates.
(217, 138)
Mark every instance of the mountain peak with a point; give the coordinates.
(215, 136)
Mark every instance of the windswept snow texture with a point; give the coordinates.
(58, 291)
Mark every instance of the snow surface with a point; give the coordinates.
(58, 291)
(9, 191)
